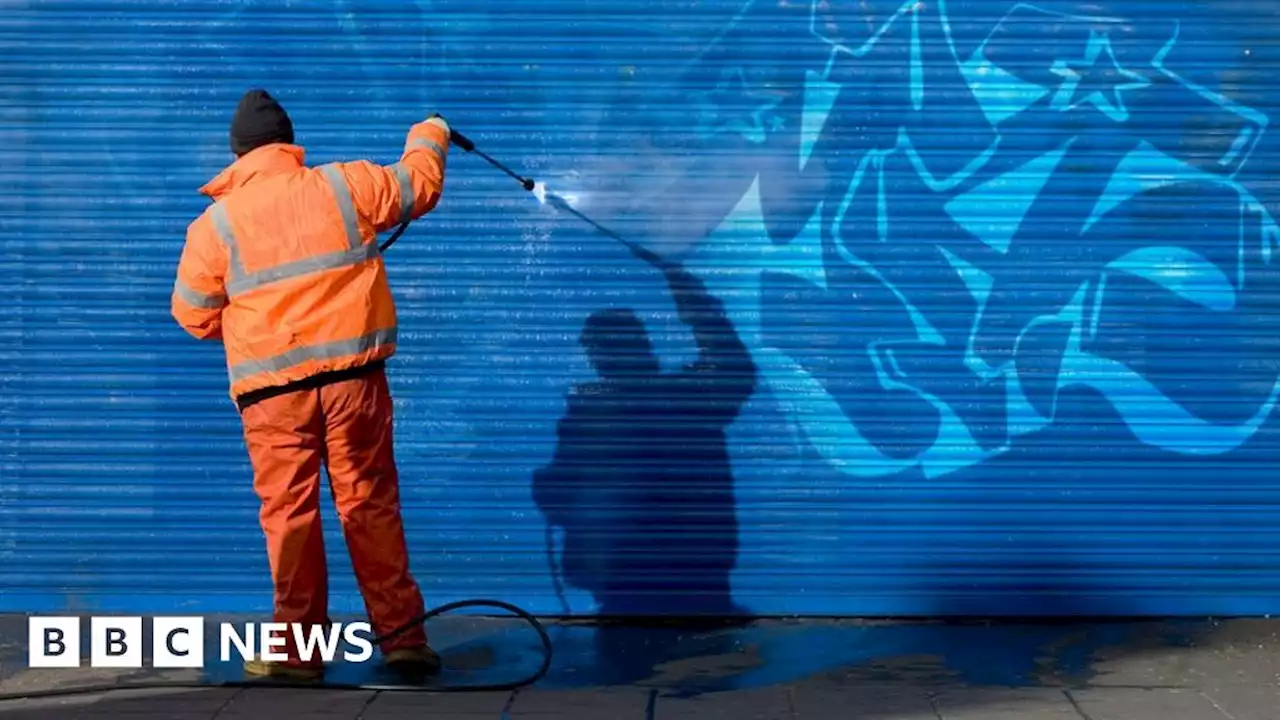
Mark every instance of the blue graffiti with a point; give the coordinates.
(1108, 100)
(729, 93)
(936, 227)
(960, 238)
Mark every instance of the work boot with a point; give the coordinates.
(420, 660)
(282, 671)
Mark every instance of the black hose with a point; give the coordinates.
(547, 654)
(553, 567)
(394, 237)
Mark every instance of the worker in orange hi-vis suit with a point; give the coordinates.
(284, 268)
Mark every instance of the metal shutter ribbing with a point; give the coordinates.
(1006, 273)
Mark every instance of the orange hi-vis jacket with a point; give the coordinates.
(284, 267)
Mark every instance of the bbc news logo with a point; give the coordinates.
(179, 642)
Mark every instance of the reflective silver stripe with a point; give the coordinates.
(328, 261)
(326, 351)
(345, 205)
(198, 299)
(406, 191)
(222, 226)
(428, 144)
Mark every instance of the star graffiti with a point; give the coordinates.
(1081, 70)
(1103, 81)
(734, 107)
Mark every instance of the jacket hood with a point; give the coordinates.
(263, 162)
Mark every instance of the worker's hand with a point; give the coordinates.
(439, 122)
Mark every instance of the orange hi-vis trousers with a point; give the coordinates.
(347, 427)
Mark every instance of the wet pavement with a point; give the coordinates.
(1181, 670)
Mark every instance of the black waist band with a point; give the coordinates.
(311, 383)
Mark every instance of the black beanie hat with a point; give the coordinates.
(259, 121)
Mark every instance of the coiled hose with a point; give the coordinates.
(547, 654)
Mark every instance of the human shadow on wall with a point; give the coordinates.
(1034, 603)
(641, 484)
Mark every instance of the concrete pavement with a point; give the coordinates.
(810, 702)
(765, 671)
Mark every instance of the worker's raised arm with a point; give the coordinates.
(199, 292)
(389, 195)
(724, 374)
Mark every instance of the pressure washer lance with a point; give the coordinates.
(549, 198)
(465, 143)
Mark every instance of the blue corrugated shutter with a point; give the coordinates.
(1007, 275)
